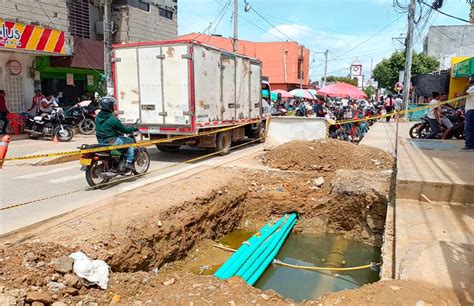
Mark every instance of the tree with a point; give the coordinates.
(386, 72)
(348, 80)
(369, 91)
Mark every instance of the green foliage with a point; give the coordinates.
(386, 72)
(332, 78)
(369, 91)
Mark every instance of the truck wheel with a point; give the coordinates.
(164, 148)
(261, 133)
(223, 142)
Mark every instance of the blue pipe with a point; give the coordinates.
(229, 269)
(267, 260)
(258, 252)
(270, 251)
(222, 271)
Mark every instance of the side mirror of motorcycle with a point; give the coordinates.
(138, 121)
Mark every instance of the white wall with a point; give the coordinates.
(285, 129)
(26, 61)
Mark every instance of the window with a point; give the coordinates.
(79, 18)
(14, 91)
(300, 69)
(166, 13)
(144, 6)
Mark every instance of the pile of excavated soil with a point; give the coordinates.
(327, 155)
(392, 292)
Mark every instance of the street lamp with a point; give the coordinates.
(248, 7)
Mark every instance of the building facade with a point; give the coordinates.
(56, 45)
(285, 64)
(446, 42)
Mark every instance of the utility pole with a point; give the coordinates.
(325, 66)
(409, 54)
(236, 24)
(108, 47)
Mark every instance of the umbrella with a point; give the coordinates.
(301, 93)
(283, 93)
(313, 92)
(342, 90)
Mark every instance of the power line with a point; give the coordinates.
(267, 21)
(363, 42)
(446, 14)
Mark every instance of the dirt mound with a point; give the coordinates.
(392, 292)
(327, 155)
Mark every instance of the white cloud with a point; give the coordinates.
(343, 48)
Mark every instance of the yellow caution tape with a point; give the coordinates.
(117, 147)
(402, 112)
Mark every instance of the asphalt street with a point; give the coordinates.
(22, 182)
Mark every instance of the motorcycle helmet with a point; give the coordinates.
(107, 104)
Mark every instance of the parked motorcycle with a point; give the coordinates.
(101, 167)
(48, 125)
(83, 117)
(422, 129)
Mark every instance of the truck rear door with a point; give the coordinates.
(176, 87)
(150, 76)
(126, 83)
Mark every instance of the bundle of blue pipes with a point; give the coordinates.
(255, 254)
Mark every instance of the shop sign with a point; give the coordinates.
(14, 35)
(70, 79)
(464, 69)
(90, 80)
(13, 67)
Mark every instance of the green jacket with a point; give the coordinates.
(108, 127)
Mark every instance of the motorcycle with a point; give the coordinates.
(101, 167)
(421, 129)
(83, 117)
(48, 125)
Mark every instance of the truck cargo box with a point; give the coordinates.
(183, 87)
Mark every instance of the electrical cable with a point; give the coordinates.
(363, 42)
(443, 13)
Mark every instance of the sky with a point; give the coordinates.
(352, 30)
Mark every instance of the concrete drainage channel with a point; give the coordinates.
(169, 256)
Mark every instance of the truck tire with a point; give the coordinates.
(168, 149)
(261, 133)
(223, 143)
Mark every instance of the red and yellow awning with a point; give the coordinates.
(14, 35)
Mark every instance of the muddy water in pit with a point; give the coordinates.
(322, 250)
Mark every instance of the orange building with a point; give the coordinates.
(286, 64)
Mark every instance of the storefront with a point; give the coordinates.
(20, 44)
(73, 76)
(461, 69)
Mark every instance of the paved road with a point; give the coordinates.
(21, 183)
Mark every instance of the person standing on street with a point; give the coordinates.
(388, 104)
(36, 102)
(4, 112)
(434, 117)
(469, 121)
(398, 104)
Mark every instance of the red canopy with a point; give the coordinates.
(342, 90)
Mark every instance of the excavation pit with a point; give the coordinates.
(163, 251)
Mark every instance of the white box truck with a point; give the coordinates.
(188, 88)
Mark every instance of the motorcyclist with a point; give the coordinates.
(109, 130)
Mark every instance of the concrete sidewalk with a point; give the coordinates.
(436, 168)
(433, 212)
